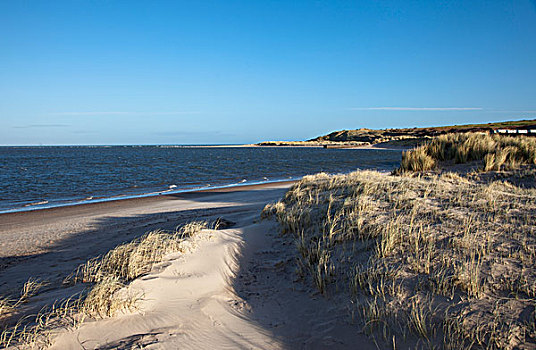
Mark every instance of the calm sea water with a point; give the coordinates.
(38, 177)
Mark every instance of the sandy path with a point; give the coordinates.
(187, 304)
(234, 290)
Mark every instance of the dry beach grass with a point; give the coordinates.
(426, 260)
(104, 278)
(494, 152)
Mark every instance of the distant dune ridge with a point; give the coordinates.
(407, 137)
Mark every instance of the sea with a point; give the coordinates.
(33, 178)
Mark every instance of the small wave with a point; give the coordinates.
(172, 187)
(36, 203)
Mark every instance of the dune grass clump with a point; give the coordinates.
(417, 159)
(495, 152)
(111, 272)
(105, 294)
(446, 260)
(36, 331)
(130, 260)
(104, 298)
(10, 306)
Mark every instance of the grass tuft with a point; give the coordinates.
(105, 278)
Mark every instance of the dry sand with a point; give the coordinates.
(236, 288)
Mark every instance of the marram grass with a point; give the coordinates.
(495, 152)
(440, 258)
(106, 278)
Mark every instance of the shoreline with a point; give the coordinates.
(34, 233)
(104, 206)
(120, 198)
(46, 204)
(300, 144)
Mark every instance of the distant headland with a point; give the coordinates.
(402, 138)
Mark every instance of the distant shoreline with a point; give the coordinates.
(47, 207)
(387, 146)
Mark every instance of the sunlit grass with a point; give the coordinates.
(438, 256)
(495, 152)
(106, 279)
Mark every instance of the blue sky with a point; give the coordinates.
(197, 72)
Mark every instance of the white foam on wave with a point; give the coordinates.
(36, 203)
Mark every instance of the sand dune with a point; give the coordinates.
(231, 291)
(187, 303)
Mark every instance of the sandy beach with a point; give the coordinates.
(234, 289)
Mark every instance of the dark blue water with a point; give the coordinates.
(37, 177)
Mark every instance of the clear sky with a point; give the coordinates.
(197, 72)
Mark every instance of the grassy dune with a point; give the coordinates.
(386, 135)
(400, 138)
(428, 260)
(493, 152)
(104, 279)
